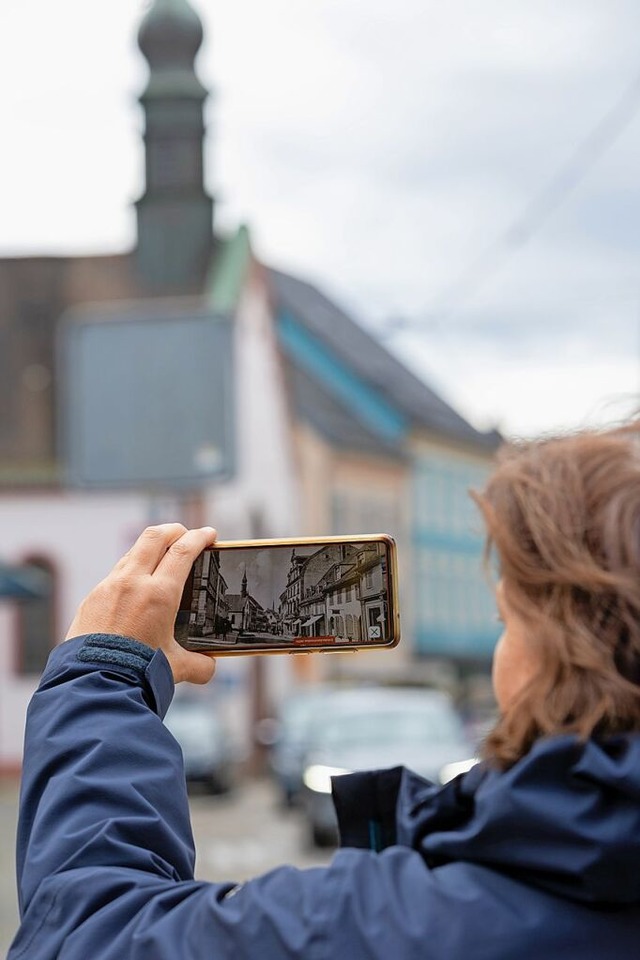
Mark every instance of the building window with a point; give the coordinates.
(37, 627)
(352, 626)
(356, 511)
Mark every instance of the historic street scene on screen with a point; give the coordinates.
(311, 595)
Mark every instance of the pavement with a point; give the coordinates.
(8, 899)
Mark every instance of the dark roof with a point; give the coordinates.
(61, 282)
(34, 292)
(235, 601)
(325, 320)
(316, 405)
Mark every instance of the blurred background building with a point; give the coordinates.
(332, 433)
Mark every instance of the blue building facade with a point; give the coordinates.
(362, 399)
(453, 597)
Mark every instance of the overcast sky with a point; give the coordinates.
(463, 175)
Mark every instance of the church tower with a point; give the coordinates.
(175, 214)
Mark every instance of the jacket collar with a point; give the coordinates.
(566, 817)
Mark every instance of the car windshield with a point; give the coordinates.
(389, 726)
(192, 719)
(298, 716)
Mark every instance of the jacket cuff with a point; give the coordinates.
(127, 657)
(366, 808)
(124, 651)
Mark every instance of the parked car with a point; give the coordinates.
(209, 757)
(374, 729)
(295, 724)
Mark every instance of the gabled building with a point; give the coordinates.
(382, 452)
(245, 612)
(211, 613)
(333, 435)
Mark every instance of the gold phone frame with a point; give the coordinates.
(393, 612)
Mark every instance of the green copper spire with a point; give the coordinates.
(175, 214)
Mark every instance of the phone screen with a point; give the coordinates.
(291, 596)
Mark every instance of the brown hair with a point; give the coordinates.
(563, 515)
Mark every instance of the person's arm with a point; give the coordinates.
(103, 805)
(105, 851)
(105, 846)
(99, 765)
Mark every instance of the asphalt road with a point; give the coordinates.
(237, 837)
(8, 901)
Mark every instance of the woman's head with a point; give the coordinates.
(563, 516)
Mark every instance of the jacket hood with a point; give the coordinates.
(566, 818)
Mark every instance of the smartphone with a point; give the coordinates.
(292, 596)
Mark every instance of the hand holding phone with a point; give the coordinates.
(139, 597)
(291, 596)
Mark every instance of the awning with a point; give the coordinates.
(21, 583)
(311, 621)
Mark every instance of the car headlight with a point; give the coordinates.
(317, 777)
(451, 770)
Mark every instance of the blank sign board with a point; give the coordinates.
(147, 398)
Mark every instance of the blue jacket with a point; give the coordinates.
(540, 862)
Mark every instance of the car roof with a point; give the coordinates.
(385, 698)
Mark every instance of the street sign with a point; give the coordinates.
(146, 395)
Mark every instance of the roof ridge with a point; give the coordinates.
(374, 364)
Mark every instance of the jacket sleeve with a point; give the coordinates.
(105, 851)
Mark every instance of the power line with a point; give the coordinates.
(600, 139)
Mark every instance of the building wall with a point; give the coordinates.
(348, 493)
(316, 466)
(263, 498)
(369, 495)
(82, 535)
(452, 598)
(446, 602)
(345, 493)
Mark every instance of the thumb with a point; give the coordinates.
(191, 666)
